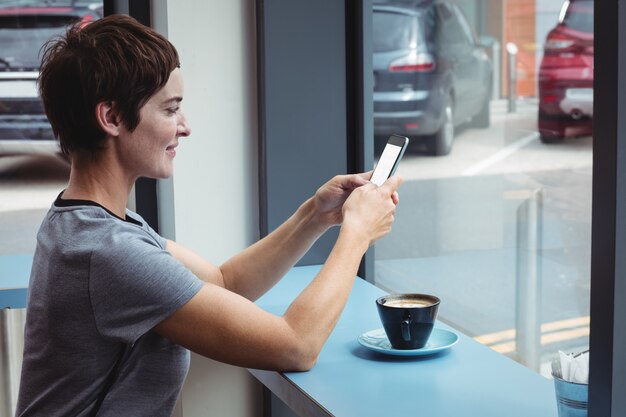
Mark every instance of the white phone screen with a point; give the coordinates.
(385, 164)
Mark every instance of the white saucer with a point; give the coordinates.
(440, 340)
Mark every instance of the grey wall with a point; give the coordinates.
(303, 120)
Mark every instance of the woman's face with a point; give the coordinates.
(150, 149)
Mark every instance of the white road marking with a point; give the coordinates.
(500, 155)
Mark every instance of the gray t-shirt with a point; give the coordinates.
(98, 285)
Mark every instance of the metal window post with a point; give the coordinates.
(528, 281)
(11, 347)
(512, 50)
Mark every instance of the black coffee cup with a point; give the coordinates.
(408, 319)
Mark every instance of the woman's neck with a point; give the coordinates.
(101, 182)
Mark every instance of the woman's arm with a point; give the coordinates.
(225, 326)
(200, 267)
(256, 269)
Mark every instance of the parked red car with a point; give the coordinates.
(566, 75)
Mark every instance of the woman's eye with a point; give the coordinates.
(172, 110)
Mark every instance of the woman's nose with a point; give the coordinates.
(183, 126)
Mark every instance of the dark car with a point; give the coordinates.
(430, 74)
(566, 74)
(24, 127)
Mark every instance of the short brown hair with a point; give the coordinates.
(115, 59)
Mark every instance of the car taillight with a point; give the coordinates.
(414, 62)
(87, 19)
(550, 98)
(558, 42)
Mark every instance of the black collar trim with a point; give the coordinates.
(60, 202)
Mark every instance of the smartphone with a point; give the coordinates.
(389, 159)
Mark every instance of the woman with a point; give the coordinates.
(113, 307)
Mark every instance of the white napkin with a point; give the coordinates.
(575, 368)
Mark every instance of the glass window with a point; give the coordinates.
(579, 16)
(32, 172)
(393, 31)
(452, 30)
(495, 213)
(461, 20)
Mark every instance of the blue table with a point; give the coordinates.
(14, 276)
(469, 380)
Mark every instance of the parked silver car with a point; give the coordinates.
(24, 127)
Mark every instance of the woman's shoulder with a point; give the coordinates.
(102, 230)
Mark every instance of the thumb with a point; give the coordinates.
(391, 185)
(358, 180)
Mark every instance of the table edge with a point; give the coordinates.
(288, 392)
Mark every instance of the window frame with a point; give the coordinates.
(607, 367)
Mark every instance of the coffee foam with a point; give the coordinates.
(408, 303)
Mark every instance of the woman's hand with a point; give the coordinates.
(330, 197)
(369, 211)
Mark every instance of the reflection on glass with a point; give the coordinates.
(496, 221)
(23, 30)
(566, 74)
(31, 173)
(430, 75)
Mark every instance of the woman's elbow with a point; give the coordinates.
(301, 357)
(306, 363)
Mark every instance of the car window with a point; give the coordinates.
(468, 34)
(450, 32)
(394, 31)
(429, 21)
(21, 37)
(579, 16)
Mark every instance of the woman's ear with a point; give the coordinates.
(107, 118)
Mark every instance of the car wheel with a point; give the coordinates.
(551, 129)
(441, 142)
(550, 139)
(483, 119)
